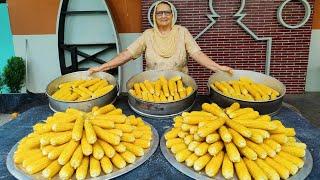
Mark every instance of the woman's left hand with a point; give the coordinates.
(226, 69)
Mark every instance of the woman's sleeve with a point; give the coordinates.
(191, 45)
(137, 47)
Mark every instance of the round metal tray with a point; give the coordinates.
(263, 107)
(301, 174)
(57, 105)
(161, 110)
(17, 171)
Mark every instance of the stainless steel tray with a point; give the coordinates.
(301, 174)
(86, 105)
(17, 171)
(161, 110)
(270, 107)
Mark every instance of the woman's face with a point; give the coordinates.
(163, 15)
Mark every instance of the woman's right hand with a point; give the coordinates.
(94, 70)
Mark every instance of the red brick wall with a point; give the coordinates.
(228, 44)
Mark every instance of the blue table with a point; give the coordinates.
(157, 166)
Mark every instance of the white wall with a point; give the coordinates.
(313, 73)
(43, 59)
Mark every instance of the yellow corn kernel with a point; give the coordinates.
(264, 118)
(89, 131)
(107, 136)
(270, 172)
(142, 143)
(249, 153)
(109, 151)
(215, 148)
(118, 161)
(127, 137)
(293, 169)
(273, 144)
(128, 156)
(258, 124)
(232, 152)
(126, 128)
(201, 149)
(95, 168)
(136, 150)
(104, 109)
(178, 147)
(242, 170)
(98, 152)
(211, 127)
(232, 108)
(182, 155)
(51, 170)
(61, 138)
(201, 162)
(268, 149)
(256, 137)
(57, 127)
(282, 171)
(227, 167)
(106, 165)
(173, 133)
(239, 128)
(67, 152)
(297, 161)
(171, 142)
(102, 91)
(137, 89)
(256, 148)
(120, 148)
(213, 166)
(211, 138)
(263, 133)
(45, 150)
(55, 152)
(157, 88)
(102, 123)
(237, 139)
(85, 146)
(191, 159)
(239, 112)
(82, 170)
(30, 159)
(189, 90)
(225, 134)
(117, 111)
(38, 165)
(254, 169)
(296, 144)
(214, 109)
(295, 151)
(149, 86)
(249, 115)
(76, 158)
(188, 139)
(77, 129)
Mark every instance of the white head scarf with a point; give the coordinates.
(165, 45)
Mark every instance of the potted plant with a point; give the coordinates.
(14, 74)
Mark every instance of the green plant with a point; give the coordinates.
(14, 74)
(1, 83)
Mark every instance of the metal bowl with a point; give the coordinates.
(263, 107)
(161, 110)
(86, 105)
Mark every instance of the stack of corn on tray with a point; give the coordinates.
(237, 141)
(162, 90)
(83, 144)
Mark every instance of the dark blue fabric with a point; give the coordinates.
(157, 166)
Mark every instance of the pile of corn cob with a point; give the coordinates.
(246, 89)
(80, 90)
(161, 90)
(217, 138)
(77, 142)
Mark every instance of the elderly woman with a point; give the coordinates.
(165, 46)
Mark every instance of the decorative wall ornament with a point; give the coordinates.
(240, 16)
(150, 15)
(304, 20)
(211, 17)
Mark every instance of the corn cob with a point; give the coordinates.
(254, 169)
(95, 168)
(109, 151)
(227, 167)
(51, 170)
(106, 165)
(67, 152)
(213, 166)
